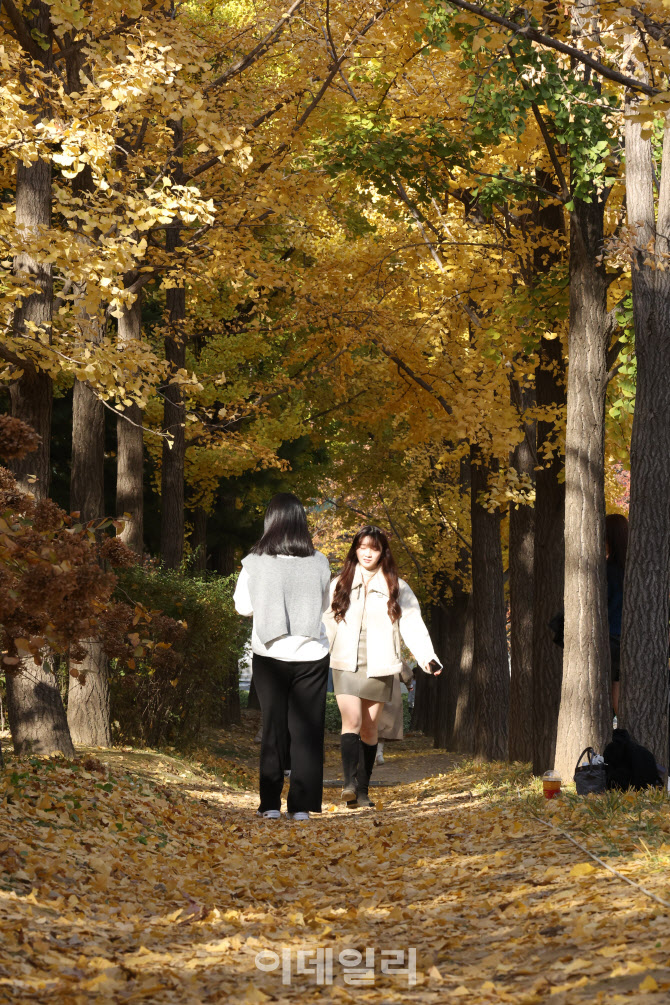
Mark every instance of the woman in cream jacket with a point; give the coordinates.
(371, 610)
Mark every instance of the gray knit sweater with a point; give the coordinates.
(287, 596)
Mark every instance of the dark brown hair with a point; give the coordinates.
(616, 535)
(285, 531)
(342, 595)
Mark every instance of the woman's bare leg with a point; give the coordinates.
(351, 711)
(369, 716)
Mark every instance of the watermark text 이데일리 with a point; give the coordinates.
(358, 968)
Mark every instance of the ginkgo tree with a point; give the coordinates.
(236, 228)
(130, 144)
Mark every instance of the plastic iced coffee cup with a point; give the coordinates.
(551, 784)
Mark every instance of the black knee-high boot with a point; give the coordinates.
(365, 765)
(349, 746)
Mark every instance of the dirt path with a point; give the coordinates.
(156, 883)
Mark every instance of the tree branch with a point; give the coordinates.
(17, 361)
(23, 36)
(414, 376)
(259, 50)
(399, 536)
(553, 43)
(247, 129)
(546, 135)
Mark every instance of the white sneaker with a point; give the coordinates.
(269, 814)
(300, 815)
(379, 759)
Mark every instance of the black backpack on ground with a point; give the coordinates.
(629, 764)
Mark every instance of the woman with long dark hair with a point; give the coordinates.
(616, 548)
(370, 610)
(284, 584)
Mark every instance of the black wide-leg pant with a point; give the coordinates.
(292, 697)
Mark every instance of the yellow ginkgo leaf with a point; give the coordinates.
(583, 869)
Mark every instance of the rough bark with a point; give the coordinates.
(464, 716)
(585, 716)
(643, 703)
(548, 560)
(448, 631)
(35, 708)
(88, 705)
(31, 394)
(87, 488)
(521, 593)
(87, 491)
(130, 448)
(172, 468)
(37, 719)
(88, 710)
(490, 668)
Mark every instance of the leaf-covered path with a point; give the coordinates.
(153, 881)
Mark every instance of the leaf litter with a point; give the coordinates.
(121, 886)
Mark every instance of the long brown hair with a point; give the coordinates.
(342, 595)
(616, 535)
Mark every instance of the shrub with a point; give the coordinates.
(193, 684)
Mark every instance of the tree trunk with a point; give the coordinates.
(87, 488)
(448, 630)
(31, 394)
(35, 708)
(585, 716)
(172, 468)
(37, 719)
(490, 669)
(31, 397)
(521, 553)
(88, 705)
(88, 711)
(643, 703)
(426, 701)
(224, 558)
(549, 510)
(548, 559)
(199, 541)
(464, 715)
(130, 448)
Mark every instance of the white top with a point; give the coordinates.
(287, 647)
(384, 656)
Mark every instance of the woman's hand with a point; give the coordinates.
(428, 668)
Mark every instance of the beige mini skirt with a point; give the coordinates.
(357, 683)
